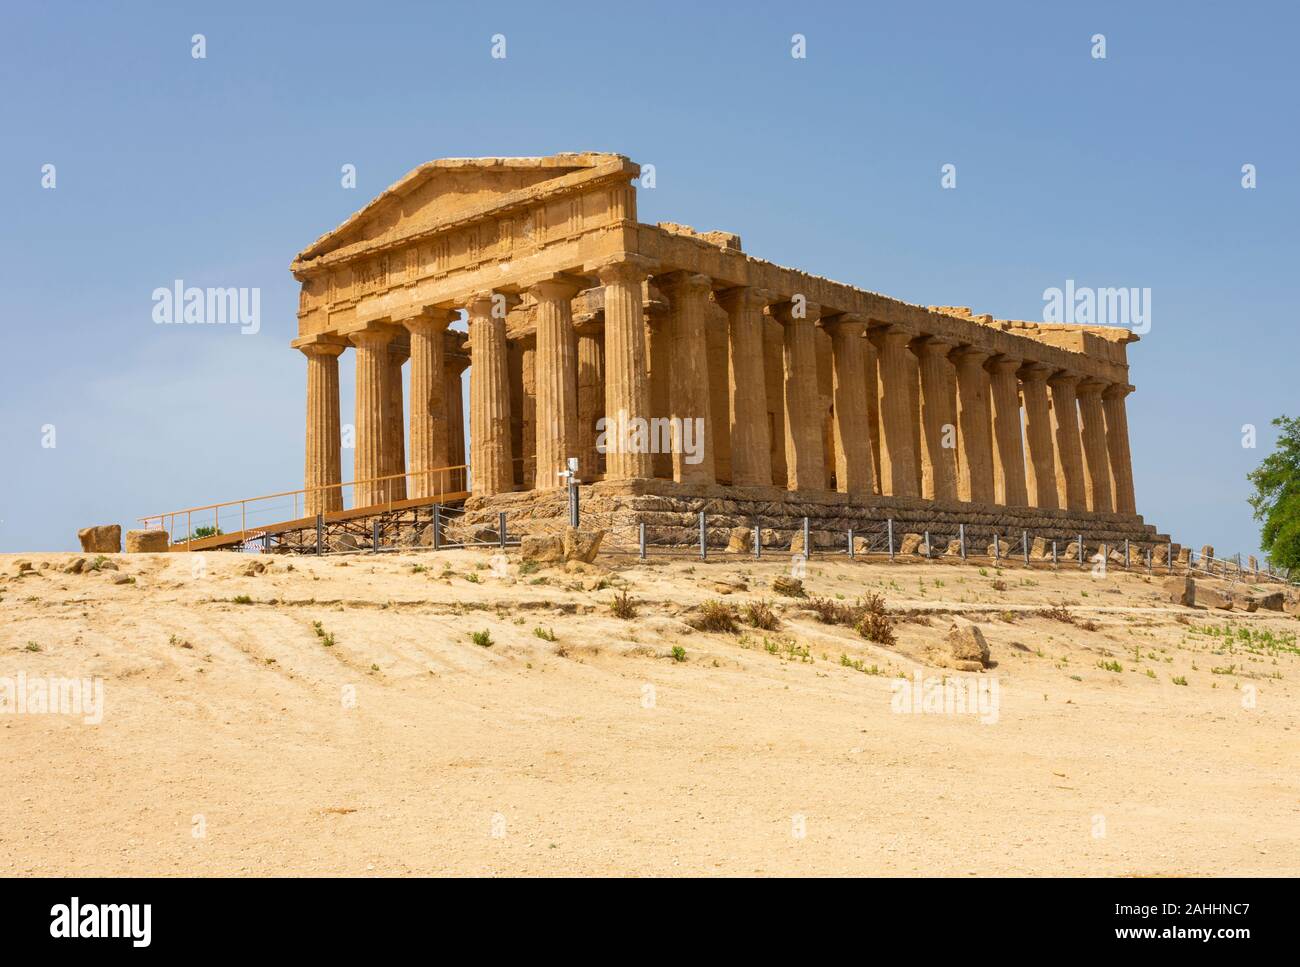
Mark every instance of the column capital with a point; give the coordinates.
(1064, 379)
(877, 331)
(684, 281)
(924, 346)
(1003, 364)
(374, 336)
(1091, 387)
(1034, 373)
(554, 287)
(1117, 391)
(428, 319)
(323, 348)
(626, 267)
(743, 297)
(783, 312)
(845, 323)
(971, 355)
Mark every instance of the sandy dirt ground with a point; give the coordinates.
(336, 716)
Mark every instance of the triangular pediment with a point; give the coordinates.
(439, 191)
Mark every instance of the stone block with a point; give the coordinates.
(580, 545)
(1181, 590)
(104, 539)
(147, 542)
(544, 548)
(967, 646)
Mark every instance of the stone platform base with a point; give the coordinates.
(670, 512)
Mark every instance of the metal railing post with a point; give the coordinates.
(641, 540)
(1054, 560)
(997, 550)
(1081, 552)
(320, 533)
(375, 528)
(889, 528)
(807, 543)
(927, 545)
(437, 527)
(1024, 545)
(851, 555)
(704, 541)
(961, 539)
(501, 528)
(758, 538)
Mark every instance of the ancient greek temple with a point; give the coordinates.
(788, 387)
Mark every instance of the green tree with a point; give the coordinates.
(1277, 496)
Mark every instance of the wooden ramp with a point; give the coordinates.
(236, 538)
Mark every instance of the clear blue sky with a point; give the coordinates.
(1122, 172)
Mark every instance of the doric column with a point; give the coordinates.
(372, 374)
(659, 358)
(938, 418)
(557, 381)
(855, 473)
(429, 441)
(1117, 443)
(591, 391)
(394, 459)
(1070, 492)
(688, 296)
(871, 364)
(751, 450)
(1096, 459)
(1041, 481)
(1009, 486)
(774, 390)
(627, 366)
(975, 434)
(323, 468)
(457, 363)
(490, 463)
(897, 460)
(528, 408)
(803, 424)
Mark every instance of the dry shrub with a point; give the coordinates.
(622, 606)
(715, 616)
(874, 622)
(759, 614)
(1057, 612)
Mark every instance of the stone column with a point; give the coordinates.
(803, 424)
(457, 363)
(627, 366)
(898, 463)
(557, 381)
(751, 450)
(659, 356)
(491, 464)
(688, 296)
(1096, 465)
(591, 392)
(429, 441)
(394, 459)
(855, 473)
(1070, 493)
(528, 432)
(1117, 442)
(774, 390)
(1041, 481)
(975, 433)
(938, 418)
(323, 465)
(871, 364)
(372, 375)
(1009, 485)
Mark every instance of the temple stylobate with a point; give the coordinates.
(669, 361)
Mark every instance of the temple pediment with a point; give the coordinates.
(449, 191)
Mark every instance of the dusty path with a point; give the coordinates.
(402, 747)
